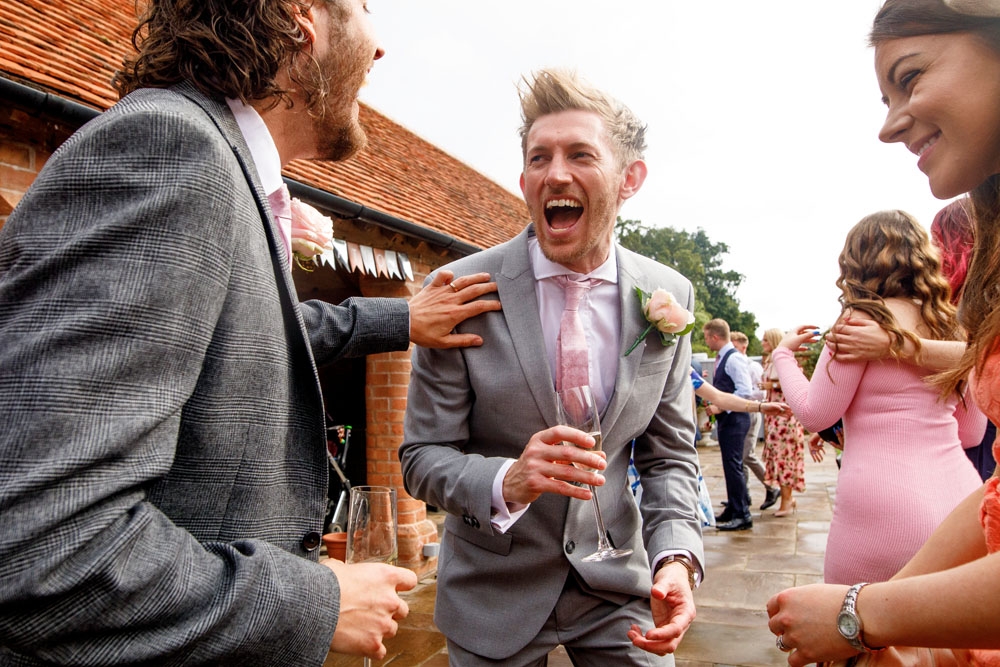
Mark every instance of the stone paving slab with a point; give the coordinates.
(743, 570)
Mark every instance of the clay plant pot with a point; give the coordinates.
(336, 545)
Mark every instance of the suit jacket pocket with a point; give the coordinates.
(660, 365)
(498, 543)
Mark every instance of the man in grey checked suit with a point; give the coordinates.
(481, 440)
(162, 455)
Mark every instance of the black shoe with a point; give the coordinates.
(773, 494)
(726, 515)
(736, 524)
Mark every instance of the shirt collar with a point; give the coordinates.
(262, 149)
(544, 268)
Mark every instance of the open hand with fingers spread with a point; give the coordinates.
(444, 303)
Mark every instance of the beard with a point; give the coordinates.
(335, 123)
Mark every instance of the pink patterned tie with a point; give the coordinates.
(572, 353)
(281, 206)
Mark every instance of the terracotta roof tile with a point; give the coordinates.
(72, 49)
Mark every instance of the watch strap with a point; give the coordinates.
(850, 606)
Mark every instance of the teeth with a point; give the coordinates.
(930, 142)
(568, 203)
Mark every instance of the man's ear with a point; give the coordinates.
(306, 18)
(635, 176)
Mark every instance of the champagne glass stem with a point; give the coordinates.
(602, 534)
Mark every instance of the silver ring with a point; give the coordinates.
(780, 643)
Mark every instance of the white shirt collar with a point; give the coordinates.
(261, 144)
(543, 267)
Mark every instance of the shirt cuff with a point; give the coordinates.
(504, 514)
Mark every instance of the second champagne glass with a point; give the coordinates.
(371, 528)
(578, 409)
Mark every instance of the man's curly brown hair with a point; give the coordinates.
(226, 48)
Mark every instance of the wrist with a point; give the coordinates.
(849, 623)
(692, 572)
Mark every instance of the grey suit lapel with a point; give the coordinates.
(633, 323)
(516, 288)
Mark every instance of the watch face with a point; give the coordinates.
(848, 625)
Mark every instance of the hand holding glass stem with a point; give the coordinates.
(578, 409)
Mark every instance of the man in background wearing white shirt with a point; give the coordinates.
(750, 461)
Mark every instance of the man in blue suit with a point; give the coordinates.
(162, 458)
(732, 375)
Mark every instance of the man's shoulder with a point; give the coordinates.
(489, 259)
(663, 275)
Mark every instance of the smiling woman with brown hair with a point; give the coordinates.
(939, 72)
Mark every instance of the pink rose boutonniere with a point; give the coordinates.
(669, 318)
(312, 233)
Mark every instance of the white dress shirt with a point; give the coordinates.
(265, 155)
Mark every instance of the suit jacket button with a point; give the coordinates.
(475, 522)
(570, 547)
(311, 540)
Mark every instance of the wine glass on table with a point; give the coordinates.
(371, 528)
(578, 409)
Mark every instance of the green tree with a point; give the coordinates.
(697, 258)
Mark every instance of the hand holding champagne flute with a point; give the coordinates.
(371, 528)
(578, 409)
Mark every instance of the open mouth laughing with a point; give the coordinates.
(563, 213)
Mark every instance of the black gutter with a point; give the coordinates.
(58, 108)
(349, 210)
(76, 114)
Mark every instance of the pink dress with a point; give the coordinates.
(903, 468)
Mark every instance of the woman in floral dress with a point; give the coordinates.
(784, 437)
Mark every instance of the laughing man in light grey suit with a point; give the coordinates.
(481, 440)
(163, 468)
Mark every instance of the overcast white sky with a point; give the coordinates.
(763, 118)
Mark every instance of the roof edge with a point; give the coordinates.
(77, 114)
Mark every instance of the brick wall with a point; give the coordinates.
(20, 162)
(386, 385)
(26, 142)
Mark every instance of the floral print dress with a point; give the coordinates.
(784, 443)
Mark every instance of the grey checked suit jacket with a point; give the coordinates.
(162, 449)
(471, 409)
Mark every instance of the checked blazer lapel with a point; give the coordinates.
(223, 118)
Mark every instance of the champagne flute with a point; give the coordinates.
(371, 528)
(578, 409)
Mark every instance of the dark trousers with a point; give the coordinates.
(732, 430)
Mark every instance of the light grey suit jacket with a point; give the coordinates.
(469, 410)
(162, 449)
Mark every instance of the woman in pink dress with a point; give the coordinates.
(904, 467)
(938, 68)
(784, 437)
